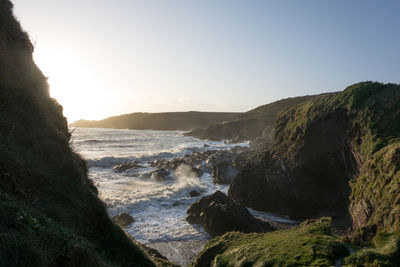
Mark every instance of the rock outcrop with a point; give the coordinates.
(335, 153)
(218, 214)
(123, 219)
(127, 166)
(224, 173)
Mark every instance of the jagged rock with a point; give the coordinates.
(123, 219)
(224, 173)
(127, 166)
(175, 163)
(194, 193)
(160, 175)
(219, 214)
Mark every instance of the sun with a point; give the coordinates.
(73, 83)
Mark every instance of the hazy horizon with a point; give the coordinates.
(105, 58)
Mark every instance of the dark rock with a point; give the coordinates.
(127, 166)
(205, 145)
(197, 171)
(160, 175)
(153, 252)
(123, 219)
(304, 178)
(219, 214)
(194, 193)
(224, 173)
(175, 163)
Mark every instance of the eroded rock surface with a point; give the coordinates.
(218, 214)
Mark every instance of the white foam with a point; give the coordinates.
(159, 208)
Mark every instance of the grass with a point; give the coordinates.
(383, 251)
(309, 244)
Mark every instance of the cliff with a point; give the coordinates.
(255, 125)
(50, 214)
(183, 121)
(335, 153)
(338, 155)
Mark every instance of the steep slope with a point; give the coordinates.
(49, 211)
(334, 153)
(254, 124)
(183, 121)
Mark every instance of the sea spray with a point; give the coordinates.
(158, 207)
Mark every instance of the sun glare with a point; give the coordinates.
(73, 83)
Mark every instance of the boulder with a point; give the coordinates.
(194, 193)
(224, 173)
(127, 166)
(123, 219)
(219, 214)
(160, 175)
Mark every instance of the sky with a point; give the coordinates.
(107, 58)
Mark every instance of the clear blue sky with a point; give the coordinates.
(108, 57)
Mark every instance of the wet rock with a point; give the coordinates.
(219, 214)
(127, 166)
(197, 171)
(157, 163)
(205, 145)
(123, 219)
(224, 173)
(194, 193)
(175, 163)
(160, 175)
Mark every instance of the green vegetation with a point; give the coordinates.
(50, 214)
(183, 121)
(309, 244)
(341, 140)
(384, 251)
(366, 117)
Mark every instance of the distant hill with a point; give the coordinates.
(255, 124)
(184, 121)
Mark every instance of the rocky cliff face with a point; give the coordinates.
(337, 152)
(49, 210)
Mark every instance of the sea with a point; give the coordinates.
(158, 207)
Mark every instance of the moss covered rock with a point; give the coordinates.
(309, 244)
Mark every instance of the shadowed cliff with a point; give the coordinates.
(50, 214)
(335, 153)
